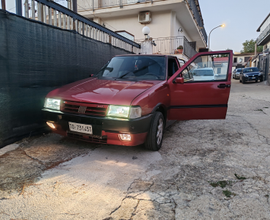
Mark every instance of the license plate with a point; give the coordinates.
(253, 77)
(81, 128)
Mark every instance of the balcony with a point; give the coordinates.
(186, 10)
(168, 45)
(264, 37)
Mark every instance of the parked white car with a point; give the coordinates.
(205, 74)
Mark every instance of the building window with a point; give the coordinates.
(235, 60)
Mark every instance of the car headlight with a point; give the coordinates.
(124, 111)
(260, 73)
(52, 103)
(245, 75)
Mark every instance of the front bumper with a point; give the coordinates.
(105, 130)
(236, 76)
(252, 78)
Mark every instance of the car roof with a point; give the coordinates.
(142, 55)
(204, 68)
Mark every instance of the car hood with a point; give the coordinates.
(102, 91)
(252, 73)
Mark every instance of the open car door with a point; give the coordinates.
(201, 88)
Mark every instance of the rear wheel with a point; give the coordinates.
(155, 135)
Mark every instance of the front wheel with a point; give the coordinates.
(155, 135)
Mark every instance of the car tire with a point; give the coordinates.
(155, 135)
(240, 80)
(243, 81)
(256, 81)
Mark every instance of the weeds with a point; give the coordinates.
(240, 177)
(222, 184)
(228, 193)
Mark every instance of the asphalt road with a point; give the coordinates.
(208, 169)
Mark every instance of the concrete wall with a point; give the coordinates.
(265, 24)
(160, 26)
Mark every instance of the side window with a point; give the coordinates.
(207, 68)
(187, 75)
(172, 67)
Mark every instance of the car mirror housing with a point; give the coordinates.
(179, 80)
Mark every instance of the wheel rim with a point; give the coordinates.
(159, 131)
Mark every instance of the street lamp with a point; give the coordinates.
(222, 25)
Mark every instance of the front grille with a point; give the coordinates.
(92, 139)
(84, 108)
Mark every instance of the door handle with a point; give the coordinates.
(223, 86)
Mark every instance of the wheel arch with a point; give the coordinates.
(161, 108)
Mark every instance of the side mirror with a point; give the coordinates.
(179, 80)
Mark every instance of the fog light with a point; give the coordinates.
(50, 124)
(125, 137)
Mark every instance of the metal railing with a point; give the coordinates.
(263, 35)
(169, 45)
(57, 15)
(101, 4)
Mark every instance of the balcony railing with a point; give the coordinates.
(265, 35)
(54, 14)
(168, 45)
(101, 4)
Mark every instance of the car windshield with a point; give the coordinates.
(238, 70)
(134, 68)
(248, 70)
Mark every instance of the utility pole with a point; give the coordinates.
(3, 4)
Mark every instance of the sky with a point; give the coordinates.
(241, 18)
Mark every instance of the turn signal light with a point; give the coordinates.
(50, 124)
(125, 137)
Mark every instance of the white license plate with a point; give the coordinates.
(253, 77)
(81, 128)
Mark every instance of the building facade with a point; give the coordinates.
(264, 40)
(172, 23)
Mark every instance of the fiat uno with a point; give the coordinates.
(131, 99)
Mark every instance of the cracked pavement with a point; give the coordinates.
(206, 169)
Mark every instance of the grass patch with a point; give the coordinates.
(222, 184)
(240, 177)
(228, 193)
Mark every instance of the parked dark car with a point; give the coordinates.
(250, 74)
(131, 99)
(236, 73)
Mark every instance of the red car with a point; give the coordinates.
(130, 100)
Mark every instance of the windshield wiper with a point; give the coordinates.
(126, 74)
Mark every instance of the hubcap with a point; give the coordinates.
(159, 131)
